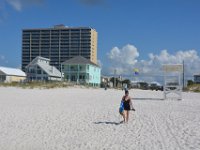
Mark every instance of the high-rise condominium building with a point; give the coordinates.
(59, 44)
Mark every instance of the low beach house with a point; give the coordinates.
(40, 70)
(9, 75)
(82, 71)
(197, 78)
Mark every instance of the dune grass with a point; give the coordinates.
(41, 85)
(45, 85)
(193, 88)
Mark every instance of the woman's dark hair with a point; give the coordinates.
(126, 92)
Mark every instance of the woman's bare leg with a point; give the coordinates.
(123, 115)
(127, 116)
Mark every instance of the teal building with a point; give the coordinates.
(82, 71)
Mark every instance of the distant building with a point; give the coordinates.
(59, 44)
(197, 78)
(8, 75)
(105, 80)
(81, 70)
(39, 69)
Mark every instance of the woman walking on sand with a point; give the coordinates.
(127, 106)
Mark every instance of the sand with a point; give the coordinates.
(81, 118)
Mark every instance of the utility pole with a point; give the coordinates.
(61, 72)
(115, 77)
(183, 75)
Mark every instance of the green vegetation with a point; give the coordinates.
(190, 82)
(42, 85)
(193, 88)
(128, 82)
(117, 83)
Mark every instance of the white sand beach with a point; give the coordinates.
(88, 119)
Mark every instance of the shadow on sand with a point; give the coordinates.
(109, 122)
(150, 99)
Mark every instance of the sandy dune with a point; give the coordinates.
(75, 118)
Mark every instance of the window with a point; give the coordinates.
(90, 77)
(32, 70)
(39, 72)
(82, 77)
(2, 78)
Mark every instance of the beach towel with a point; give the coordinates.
(121, 107)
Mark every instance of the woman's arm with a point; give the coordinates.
(123, 98)
(131, 105)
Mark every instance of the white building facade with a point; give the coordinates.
(8, 75)
(40, 70)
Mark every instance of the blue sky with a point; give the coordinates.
(131, 33)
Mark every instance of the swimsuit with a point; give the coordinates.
(127, 105)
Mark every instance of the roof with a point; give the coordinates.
(43, 58)
(35, 60)
(155, 82)
(12, 71)
(79, 60)
(57, 28)
(50, 70)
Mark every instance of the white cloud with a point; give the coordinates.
(190, 57)
(2, 57)
(126, 55)
(16, 4)
(122, 60)
(165, 57)
(100, 63)
(20, 4)
(3, 60)
(125, 59)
